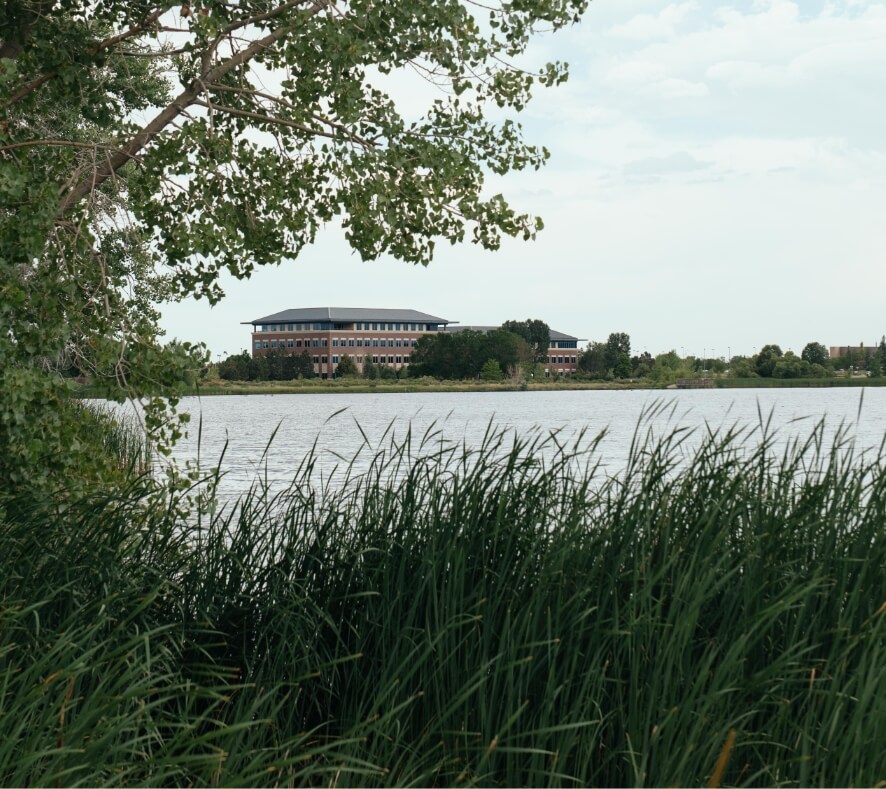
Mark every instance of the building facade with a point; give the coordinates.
(326, 334)
(861, 351)
(386, 336)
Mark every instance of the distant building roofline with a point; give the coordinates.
(348, 315)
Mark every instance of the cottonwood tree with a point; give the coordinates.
(145, 148)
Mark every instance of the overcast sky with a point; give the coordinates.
(717, 182)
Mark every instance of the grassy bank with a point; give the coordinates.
(360, 385)
(794, 383)
(216, 386)
(449, 619)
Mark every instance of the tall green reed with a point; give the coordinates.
(504, 615)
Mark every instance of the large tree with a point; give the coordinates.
(536, 333)
(815, 353)
(145, 147)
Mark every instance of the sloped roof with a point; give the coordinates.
(348, 315)
(555, 335)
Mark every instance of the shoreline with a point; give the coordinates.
(217, 388)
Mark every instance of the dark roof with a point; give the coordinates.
(348, 315)
(555, 335)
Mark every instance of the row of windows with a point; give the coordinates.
(564, 344)
(265, 327)
(359, 342)
(561, 359)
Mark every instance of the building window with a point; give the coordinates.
(375, 359)
(359, 343)
(315, 343)
(335, 360)
(258, 343)
(264, 344)
(359, 360)
(335, 343)
(289, 343)
(384, 343)
(399, 360)
(264, 327)
(325, 342)
(351, 343)
(325, 359)
(375, 343)
(273, 343)
(290, 327)
(374, 326)
(316, 360)
(298, 343)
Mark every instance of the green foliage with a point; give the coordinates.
(448, 617)
(537, 335)
(815, 353)
(491, 371)
(138, 166)
(623, 366)
(766, 360)
(592, 360)
(742, 367)
(273, 365)
(346, 367)
(462, 354)
(370, 368)
(617, 344)
(790, 366)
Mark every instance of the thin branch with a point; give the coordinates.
(256, 116)
(289, 105)
(187, 97)
(93, 146)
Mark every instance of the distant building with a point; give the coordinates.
(386, 336)
(839, 351)
(562, 356)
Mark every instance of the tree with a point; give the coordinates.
(617, 344)
(592, 360)
(346, 367)
(766, 360)
(622, 367)
(145, 149)
(370, 369)
(815, 353)
(536, 333)
(491, 371)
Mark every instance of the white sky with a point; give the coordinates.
(717, 182)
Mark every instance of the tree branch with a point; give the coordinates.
(186, 98)
(31, 86)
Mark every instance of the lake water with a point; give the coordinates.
(343, 424)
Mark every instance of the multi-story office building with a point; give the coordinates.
(386, 336)
(326, 334)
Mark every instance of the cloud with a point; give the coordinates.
(677, 162)
(647, 27)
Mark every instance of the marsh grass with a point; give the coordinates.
(501, 616)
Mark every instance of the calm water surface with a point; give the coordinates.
(342, 424)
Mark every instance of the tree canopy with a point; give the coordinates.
(535, 332)
(145, 148)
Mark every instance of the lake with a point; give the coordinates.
(342, 424)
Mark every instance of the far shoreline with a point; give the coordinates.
(218, 388)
